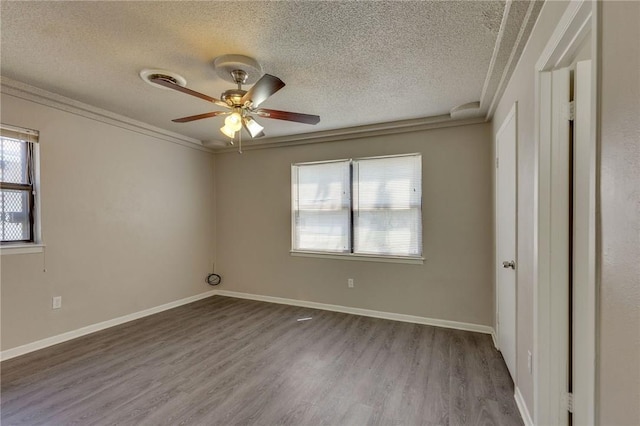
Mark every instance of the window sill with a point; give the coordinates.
(9, 249)
(360, 257)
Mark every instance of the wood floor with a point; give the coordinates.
(225, 361)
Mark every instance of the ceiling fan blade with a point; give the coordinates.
(171, 85)
(199, 116)
(253, 127)
(289, 116)
(265, 87)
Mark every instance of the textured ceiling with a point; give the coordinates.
(352, 63)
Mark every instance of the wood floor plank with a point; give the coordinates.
(225, 361)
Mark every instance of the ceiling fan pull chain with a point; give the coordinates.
(240, 142)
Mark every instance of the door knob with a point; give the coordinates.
(509, 264)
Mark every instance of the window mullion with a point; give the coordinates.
(351, 192)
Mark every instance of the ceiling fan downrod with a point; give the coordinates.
(240, 77)
(233, 97)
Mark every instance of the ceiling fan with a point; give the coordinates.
(240, 104)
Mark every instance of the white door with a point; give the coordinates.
(584, 219)
(506, 239)
(560, 244)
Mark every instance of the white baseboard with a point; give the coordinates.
(364, 312)
(54, 340)
(522, 406)
(495, 339)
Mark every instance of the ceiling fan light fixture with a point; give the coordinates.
(228, 131)
(233, 121)
(232, 124)
(253, 127)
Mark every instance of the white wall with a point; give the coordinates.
(127, 221)
(455, 281)
(619, 254)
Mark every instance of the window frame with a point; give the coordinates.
(34, 243)
(351, 255)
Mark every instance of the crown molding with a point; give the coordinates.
(358, 132)
(27, 92)
(498, 76)
(40, 96)
(519, 45)
(494, 56)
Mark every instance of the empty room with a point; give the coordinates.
(320, 213)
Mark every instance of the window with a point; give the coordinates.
(367, 206)
(17, 185)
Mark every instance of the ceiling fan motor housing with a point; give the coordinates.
(233, 97)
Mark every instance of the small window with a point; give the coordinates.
(367, 206)
(17, 185)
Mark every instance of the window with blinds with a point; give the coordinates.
(321, 205)
(367, 206)
(17, 184)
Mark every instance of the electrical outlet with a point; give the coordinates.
(57, 302)
(350, 283)
(530, 362)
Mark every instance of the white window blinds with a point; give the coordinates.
(387, 206)
(384, 218)
(321, 204)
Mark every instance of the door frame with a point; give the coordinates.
(513, 114)
(578, 23)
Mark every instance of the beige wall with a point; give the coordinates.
(130, 222)
(127, 221)
(521, 89)
(619, 319)
(455, 281)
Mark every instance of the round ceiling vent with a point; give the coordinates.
(148, 74)
(225, 65)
